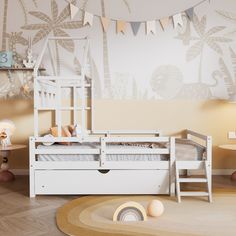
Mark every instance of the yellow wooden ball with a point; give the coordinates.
(155, 208)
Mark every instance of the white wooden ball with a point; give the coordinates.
(155, 208)
(4, 166)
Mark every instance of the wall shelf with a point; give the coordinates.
(20, 69)
(12, 70)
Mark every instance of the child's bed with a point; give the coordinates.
(99, 162)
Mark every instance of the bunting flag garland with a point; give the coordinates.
(120, 26)
(73, 11)
(164, 22)
(135, 27)
(190, 13)
(88, 18)
(105, 23)
(151, 27)
(177, 20)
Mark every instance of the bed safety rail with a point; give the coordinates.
(207, 142)
(127, 132)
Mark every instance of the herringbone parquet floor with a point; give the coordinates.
(21, 216)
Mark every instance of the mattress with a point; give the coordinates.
(94, 157)
(185, 150)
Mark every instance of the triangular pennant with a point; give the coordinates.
(135, 27)
(73, 10)
(164, 22)
(120, 26)
(151, 27)
(88, 18)
(177, 20)
(105, 23)
(190, 13)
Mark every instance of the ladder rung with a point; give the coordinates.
(192, 180)
(189, 165)
(193, 193)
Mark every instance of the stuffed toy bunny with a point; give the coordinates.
(7, 129)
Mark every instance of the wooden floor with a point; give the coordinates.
(20, 215)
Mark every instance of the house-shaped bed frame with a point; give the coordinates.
(144, 172)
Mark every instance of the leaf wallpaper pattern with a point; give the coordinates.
(225, 74)
(196, 61)
(231, 17)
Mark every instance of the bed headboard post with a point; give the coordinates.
(83, 106)
(36, 89)
(91, 92)
(58, 107)
(209, 148)
(39, 59)
(36, 104)
(103, 151)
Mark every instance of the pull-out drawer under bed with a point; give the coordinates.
(102, 182)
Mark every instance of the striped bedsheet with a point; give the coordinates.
(184, 151)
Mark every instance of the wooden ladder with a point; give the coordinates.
(180, 165)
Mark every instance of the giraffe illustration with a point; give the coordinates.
(15, 38)
(106, 65)
(4, 26)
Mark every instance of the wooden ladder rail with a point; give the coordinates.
(206, 179)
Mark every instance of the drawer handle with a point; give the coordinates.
(104, 171)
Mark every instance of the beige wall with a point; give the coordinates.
(149, 74)
(214, 118)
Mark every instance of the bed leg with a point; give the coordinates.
(31, 180)
(188, 173)
(31, 168)
(32, 193)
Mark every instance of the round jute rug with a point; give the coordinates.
(92, 216)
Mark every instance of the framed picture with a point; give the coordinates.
(6, 59)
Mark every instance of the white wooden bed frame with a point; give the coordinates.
(94, 177)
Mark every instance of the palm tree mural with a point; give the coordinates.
(167, 80)
(225, 74)
(205, 38)
(106, 65)
(230, 16)
(54, 25)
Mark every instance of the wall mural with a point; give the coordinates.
(196, 61)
